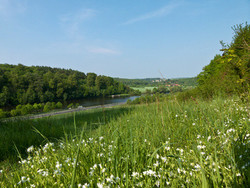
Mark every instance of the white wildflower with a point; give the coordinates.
(230, 130)
(85, 185)
(164, 159)
(24, 179)
(117, 179)
(201, 146)
(30, 149)
(23, 161)
(135, 174)
(208, 138)
(157, 183)
(103, 170)
(149, 172)
(167, 148)
(197, 166)
(156, 164)
(100, 185)
(58, 165)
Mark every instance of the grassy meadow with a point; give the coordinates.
(164, 144)
(143, 89)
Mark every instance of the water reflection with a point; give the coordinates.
(102, 101)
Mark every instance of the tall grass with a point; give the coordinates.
(23, 134)
(166, 144)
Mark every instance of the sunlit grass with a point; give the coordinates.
(168, 144)
(143, 89)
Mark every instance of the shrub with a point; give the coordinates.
(2, 114)
(14, 113)
(47, 107)
(59, 105)
(70, 105)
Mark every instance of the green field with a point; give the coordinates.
(143, 89)
(165, 144)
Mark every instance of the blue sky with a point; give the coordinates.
(118, 38)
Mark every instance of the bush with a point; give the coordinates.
(29, 108)
(129, 101)
(2, 114)
(59, 105)
(14, 113)
(47, 107)
(70, 105)
(53, 105)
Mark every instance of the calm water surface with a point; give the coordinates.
(103, 100)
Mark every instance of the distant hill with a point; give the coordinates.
(146, 82)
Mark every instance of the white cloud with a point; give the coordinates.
(105, 51)
(157, 13)
(72, 22)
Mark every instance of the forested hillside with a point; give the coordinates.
(229, 73)
(21, 84)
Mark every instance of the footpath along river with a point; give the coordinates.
(87, 105)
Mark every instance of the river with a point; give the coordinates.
(85, 104)
(102, 101)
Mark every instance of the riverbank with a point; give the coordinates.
(59, 112)
(84, 104)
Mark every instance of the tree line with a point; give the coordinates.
(21, 84)
(228, 73)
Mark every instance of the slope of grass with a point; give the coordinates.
(168, 144)
(22, 133)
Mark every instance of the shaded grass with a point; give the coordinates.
(22, 132)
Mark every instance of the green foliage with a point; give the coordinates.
(147, 99)
(228, 74)
(91, 79)
(21, 84)
(47, 107)
(37, 107)
(156, 82)
(14, 113)
(2, 113)
(59, 105)
(71, 105)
